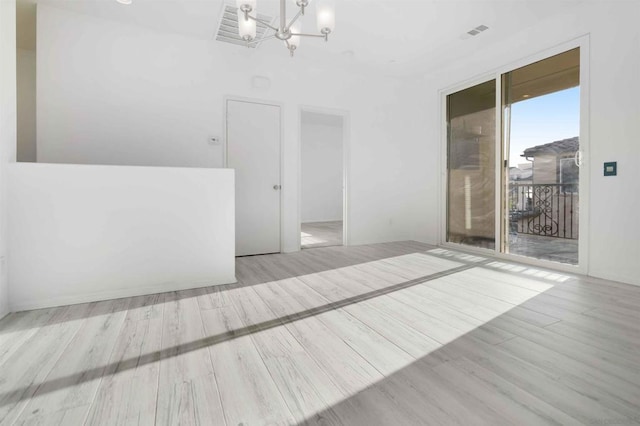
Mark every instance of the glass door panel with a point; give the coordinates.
(541, 152)
(471, 168)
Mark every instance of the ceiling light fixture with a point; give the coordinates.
(124, 1)
(290, 32)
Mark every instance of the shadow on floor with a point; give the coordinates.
(249, 271)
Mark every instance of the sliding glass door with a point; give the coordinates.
(471, 194)
(517, 191)
(541, 122)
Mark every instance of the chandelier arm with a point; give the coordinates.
(257, 41)
(295, 18)
(308, 35)
(266, 24)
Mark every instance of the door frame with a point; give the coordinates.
(583, 42)
(225, 143)
(346, 166)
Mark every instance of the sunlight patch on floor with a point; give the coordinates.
(309, 240)
(422, 317)
(529, 271)
(328, 335)
(457, 255)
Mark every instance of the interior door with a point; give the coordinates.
(253, 150)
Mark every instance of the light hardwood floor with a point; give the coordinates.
(321, 234)
(387, 334)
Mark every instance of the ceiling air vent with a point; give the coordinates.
(228, 28)
(477, 30)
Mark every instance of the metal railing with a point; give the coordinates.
(549, 210)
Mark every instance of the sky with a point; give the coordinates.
(542, 120)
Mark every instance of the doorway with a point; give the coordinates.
(514, 144)
(253, 150)
(322, 178)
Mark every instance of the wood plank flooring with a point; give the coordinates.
(387, 334)
(321, 234)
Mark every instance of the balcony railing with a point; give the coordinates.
(549, 210)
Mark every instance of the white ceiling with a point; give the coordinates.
(393, 34)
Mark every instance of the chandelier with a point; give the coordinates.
(290, 32)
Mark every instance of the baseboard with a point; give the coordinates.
(608, 276)
(319, 221)
(115, 294)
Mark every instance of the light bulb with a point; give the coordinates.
(246, 27)
(326, 15)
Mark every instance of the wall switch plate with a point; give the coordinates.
(611, 168)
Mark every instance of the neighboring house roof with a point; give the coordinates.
(516, 173)
(558, 147)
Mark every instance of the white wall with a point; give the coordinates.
(7, 132)
(614, 116)
(322, 170)
(126, 95)
(26, 92)
(85, 233)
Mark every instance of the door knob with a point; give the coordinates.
(277, 187)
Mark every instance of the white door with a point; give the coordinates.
(253, 150)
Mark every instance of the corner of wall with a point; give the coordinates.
(7, 131)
